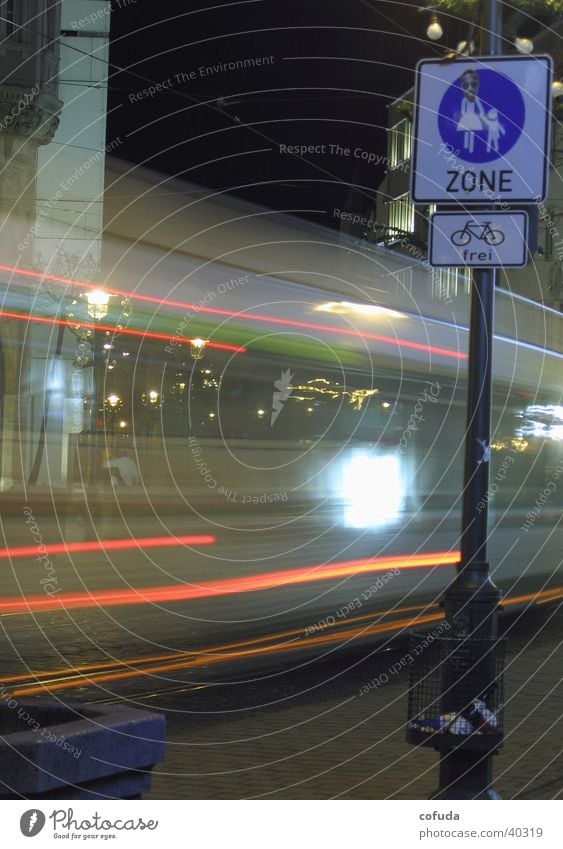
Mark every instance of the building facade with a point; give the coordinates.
(53, 105)
(29, 117)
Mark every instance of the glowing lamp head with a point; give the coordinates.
(465, 49)
(524, 45)
(197, 347)
(434, 31)
(98, 302)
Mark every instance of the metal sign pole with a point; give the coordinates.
(471, 602)
(457, 685)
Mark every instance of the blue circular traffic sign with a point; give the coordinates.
(481, 115)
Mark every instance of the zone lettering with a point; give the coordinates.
(479, 181)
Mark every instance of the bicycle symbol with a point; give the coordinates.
(483, 232)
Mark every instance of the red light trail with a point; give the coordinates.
(165, 337)
(108, 545)
(285, 322)
(222, 587)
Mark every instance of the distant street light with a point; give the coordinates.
(434, 31)
(464, 49)
(98, 307)
(524, 45)
(197, 347)
(152, 408)
(93, 349)
(114, 402)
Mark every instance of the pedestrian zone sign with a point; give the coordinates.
(482, 130)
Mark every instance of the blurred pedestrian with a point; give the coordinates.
(124, 470)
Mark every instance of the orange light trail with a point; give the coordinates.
(302, 325)
(228, 586)
(108, 545)
(165, 337)
(221, 657)
(556, 597)
(210, 652)
(104, 673)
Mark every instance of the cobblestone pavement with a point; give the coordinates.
(332, 742)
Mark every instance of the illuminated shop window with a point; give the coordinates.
(400, 140)
(401, 215)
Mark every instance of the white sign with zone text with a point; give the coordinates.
(482, 130)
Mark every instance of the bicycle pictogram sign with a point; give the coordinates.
(480, 231)
(486, 240)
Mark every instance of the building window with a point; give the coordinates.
(400, 218)
(448, 283)
(8, 12)
(400, 138)
(400, 282)
(548, 236)
(51, 25)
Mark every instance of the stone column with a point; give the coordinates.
(28, 118)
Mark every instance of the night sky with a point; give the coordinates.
(326, 73)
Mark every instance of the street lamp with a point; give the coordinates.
(465, 49)
(153, 399)
(92, 348)
(524, 45)
(114, 402)
(98, 303)
(197, 347)
(434, 31)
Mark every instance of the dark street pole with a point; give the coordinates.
(471, 601)
(93, 454)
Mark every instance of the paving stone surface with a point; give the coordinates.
(336, 743)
